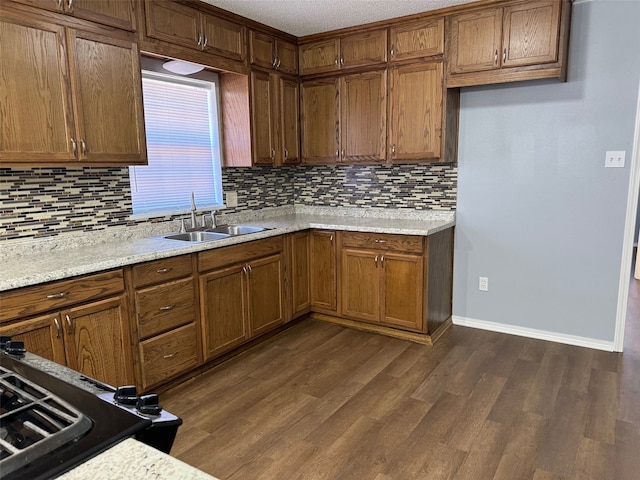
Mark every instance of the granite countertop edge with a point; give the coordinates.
(31, 266)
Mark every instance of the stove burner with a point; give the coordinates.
(34, 421)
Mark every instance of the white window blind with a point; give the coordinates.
(183, 148)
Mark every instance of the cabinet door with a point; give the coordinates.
(361, 49)
(289, 120)
(364, 117)
(262, 49)
(263, 119)
(36, 120)
(360, 285)
(530, 33)
(320, 119)
(116, 13)
(415, 104)
(422, 38)
(287, 55)
(108, 92)
(475, 41)
(97, 341)
(324, 279)
(223, 304)
(319, 57)
(300, 270)
(224, 38)
(42, 336)
(265, 294)
(174, 23)
(53, 5)
(402, 302)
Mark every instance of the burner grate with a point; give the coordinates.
(33, 421)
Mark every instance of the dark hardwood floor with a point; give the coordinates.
(321, 401)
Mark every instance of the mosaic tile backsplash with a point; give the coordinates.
(44, 202)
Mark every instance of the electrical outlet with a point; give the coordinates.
(231, 199)
(483, 284)
(614, 159)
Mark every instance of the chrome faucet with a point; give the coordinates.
(194, 225)
(213, 219)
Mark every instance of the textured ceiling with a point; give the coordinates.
(306, 17)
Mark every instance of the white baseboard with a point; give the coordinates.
(534, 333)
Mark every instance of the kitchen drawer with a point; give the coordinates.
(243, 252)
(164, 307)
(382, 241)
(168, 355)
(24, 302)
(160, 271)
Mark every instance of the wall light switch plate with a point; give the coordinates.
(614, 159)
(231, 199)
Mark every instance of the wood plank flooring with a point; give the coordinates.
(321, 401)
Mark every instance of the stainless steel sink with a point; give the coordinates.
(234, 230)
(197, 236)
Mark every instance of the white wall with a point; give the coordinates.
(537, 211)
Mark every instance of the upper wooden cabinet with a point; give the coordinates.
(320, 121)
(89, 103)
(273, 53)
(518, 41)
(420, 38)
(115, 13)
(360, 49)
(182, 25)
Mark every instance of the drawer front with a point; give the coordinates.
(168, 355)
(160, 271)
(24, 302)
(243, 252)
(164, 307)
(382, 241)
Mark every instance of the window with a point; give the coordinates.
(183, 148)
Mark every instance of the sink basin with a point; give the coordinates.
(197, 236)
(234, 230)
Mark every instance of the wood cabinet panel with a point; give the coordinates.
(224, 312)
(97, 341)
(289, 120)
(36, 118)
(360, 285)
(167, 355)
(265, 294)
(300, 272)
(160, 271)
(222, 257)
(475, 41)
(403, 290)
(224, 38)
(42, 336)
(163, 307)
(263, 119)
(262, 48)
(364, 117)
(287, 55)
(24, 302)
(369, 48)
(420, 38)
(416, 102)
(172, 22)
(320, 121)
(319, 57)
(324, 276)
(383, 241)
(108, 99)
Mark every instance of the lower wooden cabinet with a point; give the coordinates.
(299, 273)
(42, 336)
(324, 273)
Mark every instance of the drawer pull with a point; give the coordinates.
(57, 295)
(170, 355)
(166, 308)
(380, 241)
(164, 270)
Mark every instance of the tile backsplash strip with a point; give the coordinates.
(45, 202)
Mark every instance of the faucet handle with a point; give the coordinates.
(203, 221)
(183, 228)
(213, 218)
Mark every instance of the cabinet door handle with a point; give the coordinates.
(164, 270)
(250, 269)
(504, 55)
(199, 39)
(278, 64)
(166, 308)
(336, 61)
(341, 60)
(83, 146)
(273, 154)
(495, 57)
(59, 4)
(376, 260)
(382, 261)
(392, 52)
(244, 269)
(393, 149)
(170, 355)
(342, 153)
(57, 295)
(74, 146)
(286, 153)
(69, 4)
(206, 40)
(331, 238)
(69, 324)
(58, 329)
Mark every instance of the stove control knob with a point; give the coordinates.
(3, 341)
(126, 395)
(149, 404)
(15, 347)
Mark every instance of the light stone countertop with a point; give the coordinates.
(132, 459)
(33, 262)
